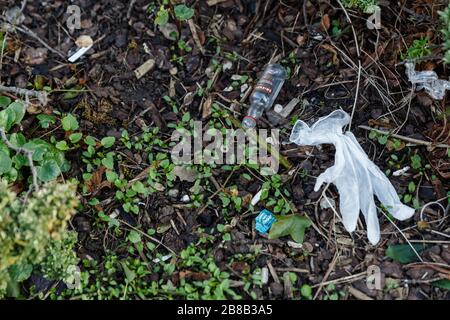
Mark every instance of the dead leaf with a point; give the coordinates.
(325, 22)
(240, 266)
(438, 188)
(301, 40)
(214, 2)
(246, 199)
(188, 98)
(155, 114)
(332, 50)
(390, 145)
(35, 56)
(206, 107)
(195, 276)
(96, 180)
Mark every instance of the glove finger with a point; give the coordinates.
(326, 176)
(387, 195)
(373, 226)
(347, 185)
(348, 204)
(332, 173)
(383, 188)
(367, 204)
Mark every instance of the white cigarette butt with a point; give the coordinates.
(77, 55)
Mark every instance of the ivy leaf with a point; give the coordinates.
(108, 162)
(306, 291)
(292, 225)
(183, 12)
(108, 142)
(5, 163)
(48, 171)
(62, 145)
(111, 176)
(75, 137)
(69, 123)
(403, 253)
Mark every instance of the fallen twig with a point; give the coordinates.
(195, 36)
(42, 96)
(407, 139)
(130, 8)
(358, 294)
(350, 278)
(327, 274)
(27, 31)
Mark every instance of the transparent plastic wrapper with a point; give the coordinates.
(427, 80)
(356, 177)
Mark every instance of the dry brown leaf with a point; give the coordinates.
(96, 180)
(206, 107)
(325, 22)
(332, 50)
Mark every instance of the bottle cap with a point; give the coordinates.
(249, 122)
(278, 108)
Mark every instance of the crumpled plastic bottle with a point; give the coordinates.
(427, 80)
(356, 177)
(264, 93)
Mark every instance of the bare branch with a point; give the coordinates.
(42, 96)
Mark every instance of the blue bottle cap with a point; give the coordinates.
(264, 221)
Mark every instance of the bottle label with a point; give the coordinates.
(265, 84)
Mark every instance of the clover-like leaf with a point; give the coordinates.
(48, 171)
(183, 12)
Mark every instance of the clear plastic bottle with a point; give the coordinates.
(264, 93)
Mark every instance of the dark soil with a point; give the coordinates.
(323, 65)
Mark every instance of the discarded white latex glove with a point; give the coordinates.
(427, 80)
(355, 176)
